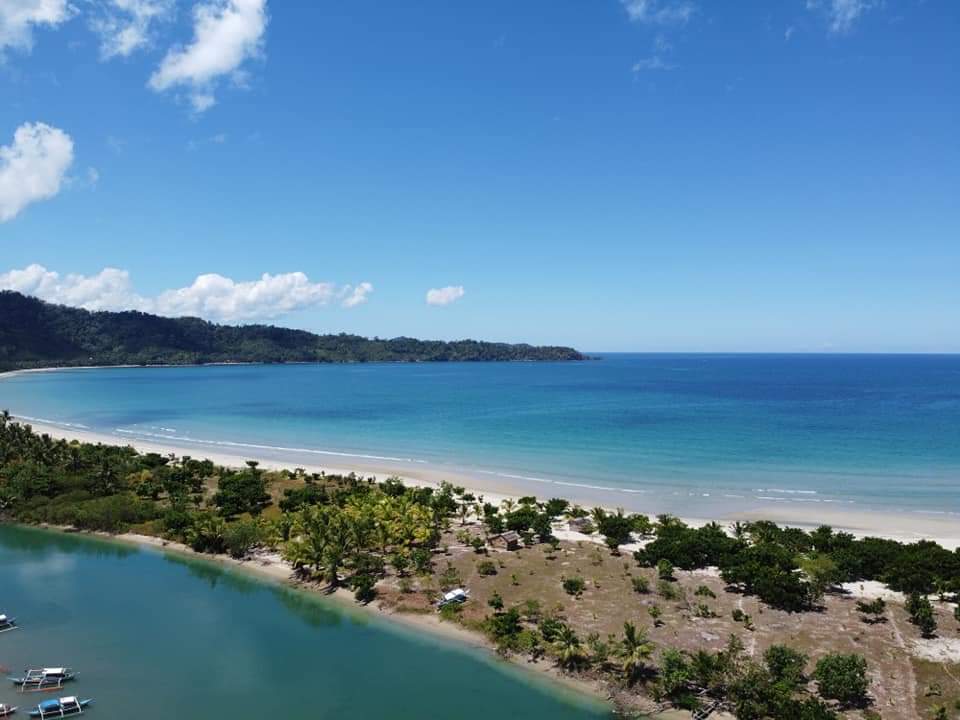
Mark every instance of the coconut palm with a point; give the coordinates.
(635, 649)
(570, 652)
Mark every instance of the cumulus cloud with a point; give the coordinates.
(32, 167)
(444, 295)
(226, 33)
(353, 296)
(18, 18)
(842, 14)
(659, 12)
(125, 26)
(210, 296)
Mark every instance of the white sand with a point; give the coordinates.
(898, 526)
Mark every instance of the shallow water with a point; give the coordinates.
(690, 434)
(159, 636)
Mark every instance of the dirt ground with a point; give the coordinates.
(903, 687)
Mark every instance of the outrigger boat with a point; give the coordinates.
(43, 679)
(63, 707)
(7, 623)
(6, 710)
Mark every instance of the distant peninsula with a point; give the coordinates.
(34, 334)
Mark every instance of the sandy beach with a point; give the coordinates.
(906, 527)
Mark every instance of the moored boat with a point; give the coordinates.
(43, 678)
(61, 707)
(7, 623)
(6, 710)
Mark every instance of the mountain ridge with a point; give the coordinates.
(35, 333)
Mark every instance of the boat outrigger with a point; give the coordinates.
(63, 707)
(6, 710)
(49, 678)
(7, 623)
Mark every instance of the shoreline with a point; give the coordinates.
(903, 527)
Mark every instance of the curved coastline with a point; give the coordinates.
(905, 527)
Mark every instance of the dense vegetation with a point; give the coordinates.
(345, 530)
(37, 334)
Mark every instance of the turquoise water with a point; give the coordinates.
(158, 637)
(664, 433)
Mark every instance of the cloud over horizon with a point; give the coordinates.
(32, 167)
(210, 296)
(445, 295)
(226, 33)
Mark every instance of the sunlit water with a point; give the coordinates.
(160, 637)
(690, 434)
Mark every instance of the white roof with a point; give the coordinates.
(53, 671)
(453, 594)
(2, 617)
(69, 700)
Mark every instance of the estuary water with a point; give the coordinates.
(696, 435)
(157, 636)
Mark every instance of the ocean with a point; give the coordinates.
(694, 435)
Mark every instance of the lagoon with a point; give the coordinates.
(177, 637)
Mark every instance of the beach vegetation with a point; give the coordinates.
(843, 677)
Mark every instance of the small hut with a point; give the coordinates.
(509, 540)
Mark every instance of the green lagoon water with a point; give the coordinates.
(159, 636)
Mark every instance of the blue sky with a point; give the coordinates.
(610, 174)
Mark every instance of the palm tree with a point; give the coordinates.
(570, 653)
(635, 650)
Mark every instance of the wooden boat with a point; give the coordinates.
(7, 623)
(62, 707)
(6, 710)
(47, 678)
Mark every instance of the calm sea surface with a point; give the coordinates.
(674, 433)
(158, 637)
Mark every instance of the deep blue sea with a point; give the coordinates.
(668, 433)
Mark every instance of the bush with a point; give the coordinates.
(786, 665)
(574, 585)
(240, 537)
(843, 678)
(664, 569)
(704, 591)
(668, 590)
(486, 567)
(640, 584)
(363, 588)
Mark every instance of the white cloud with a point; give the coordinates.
(652, 63)
(210, 296)
(788, 33)
(659, 12)
(19, 17)
(32, 168)
(109, 289)
(225, 34)
(445, 295)
(353, 296)
(125, 25)
(842, 14)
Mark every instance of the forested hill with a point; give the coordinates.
(34, 333)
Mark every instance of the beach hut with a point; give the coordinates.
(509, 540)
